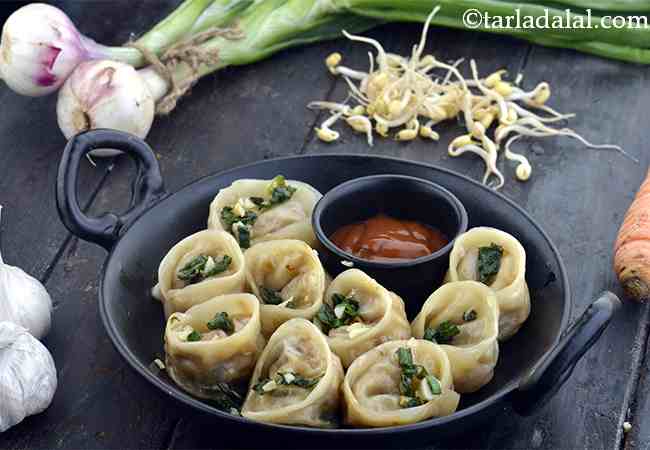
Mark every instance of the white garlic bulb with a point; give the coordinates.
(24, 300)
(27, 375)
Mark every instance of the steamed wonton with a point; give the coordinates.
(358, 314)
(399, 383)
(463, 316)
(215, 342)
(288, 279)
(296, 379)
(264, 210)
(498, 260)
(200, 267)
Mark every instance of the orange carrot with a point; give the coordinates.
(632, 247)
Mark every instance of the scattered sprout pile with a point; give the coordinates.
(413, 94)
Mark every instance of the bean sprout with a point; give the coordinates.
(397, 92)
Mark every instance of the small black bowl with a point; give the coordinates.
(402, 197)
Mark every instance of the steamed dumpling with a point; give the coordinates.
(198, 268)
(399, 383)
(464, 317)
(359, 314)
(288, 279)
(215, 342)
(264, 210)
(498, 260)
(296, 380)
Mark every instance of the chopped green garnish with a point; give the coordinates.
(282, 194)
(404, 357)
(443, 333)
(257, 201)
(202, 267)
(259, 386)
(344, 312)
(277, 182)
(279, 191)
(270, 296)
(290, 378)
(325, 318)
(489, 262)
(429, 334)
(229, 217)
(410, 402)
(194, 336)
(411, 374)
(244, 236)
(192, 269)
(470, 315)
(406, 385)
(217, 268)
(434, 384)
(221, 321)
(286, 379)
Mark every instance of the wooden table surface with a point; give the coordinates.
(241, 115)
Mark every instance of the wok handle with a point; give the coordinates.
(551, 373)
(147, 188)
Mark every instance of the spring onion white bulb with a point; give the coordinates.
(41, 46)
(24, 300)
(109, 94)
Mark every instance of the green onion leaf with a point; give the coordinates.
(290, 378)
(326, 318)
(192, 270)
(434, 384)
(404, 357)
(489, 262)
(219, 267)
(258, 201)
(444, 333)
(229, 218)
(346, 307)
(409, 402)
(406, 385)
(223, 322)
(194, 336)
(279, 191)
(429, 334)
(270, 297)
(197, 270)
(244, 236)
(259, 386)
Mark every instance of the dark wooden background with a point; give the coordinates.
(245, 114)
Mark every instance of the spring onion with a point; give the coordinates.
(262, 29)
(40, 45)
(626, 44)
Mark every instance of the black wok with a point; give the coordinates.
(532, 365)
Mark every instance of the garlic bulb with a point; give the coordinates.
(24, 301)
(105, 94)
(27, 375)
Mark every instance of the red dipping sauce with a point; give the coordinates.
(383, 238)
